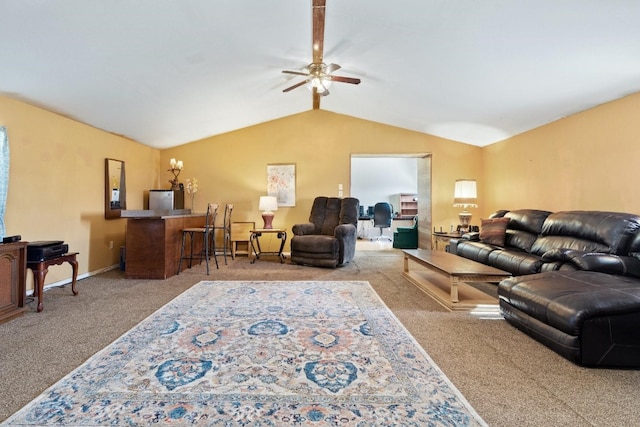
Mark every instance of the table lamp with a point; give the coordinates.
(465, 195)
(268, 204)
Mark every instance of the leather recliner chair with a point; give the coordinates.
(329, 238)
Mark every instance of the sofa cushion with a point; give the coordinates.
(595, 231)
(514, 261)
(475, 251)
(529, 220)
(524, 227)
(493, 230)
(565, 300)
(318, 245)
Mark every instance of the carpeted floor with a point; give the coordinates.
(506, 376)
(278, 353)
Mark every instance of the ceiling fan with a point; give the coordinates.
(318, 74)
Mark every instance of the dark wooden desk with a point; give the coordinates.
(40, 269)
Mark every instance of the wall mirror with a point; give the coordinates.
(115, 194)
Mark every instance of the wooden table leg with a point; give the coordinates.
(38, 288)
(454, 289)
(40, 269)
(74, 267)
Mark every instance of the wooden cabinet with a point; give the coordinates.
(406, 204)
(152, 246)
(13, 270)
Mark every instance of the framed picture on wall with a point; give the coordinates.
(281, 183)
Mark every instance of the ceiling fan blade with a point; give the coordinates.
(297, 73)
(332, 67)
(316, 99)
(345, 79)
(296, 85)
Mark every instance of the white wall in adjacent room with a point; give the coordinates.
(377, 179)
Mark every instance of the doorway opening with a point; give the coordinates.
(385, 178)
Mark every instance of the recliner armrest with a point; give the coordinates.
(303, 229)
(344, 231)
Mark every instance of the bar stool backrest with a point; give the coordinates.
(212, 213)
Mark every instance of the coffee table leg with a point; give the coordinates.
(454, 289)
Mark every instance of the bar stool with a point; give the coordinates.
(226, 231)
(208, 236)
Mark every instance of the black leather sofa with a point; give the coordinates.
(576, 284)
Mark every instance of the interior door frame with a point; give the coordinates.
(423, 180)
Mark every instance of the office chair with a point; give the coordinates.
(382, 217)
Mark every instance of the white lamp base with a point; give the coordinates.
(465, 220)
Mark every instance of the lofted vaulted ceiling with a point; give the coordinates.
(167, 72)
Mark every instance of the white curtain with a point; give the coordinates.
(4, 176)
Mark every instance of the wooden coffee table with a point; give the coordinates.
(443, 275)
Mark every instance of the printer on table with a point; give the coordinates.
(45, 249)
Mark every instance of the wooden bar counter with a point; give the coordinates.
(153, 241)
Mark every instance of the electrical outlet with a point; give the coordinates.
(110, 244)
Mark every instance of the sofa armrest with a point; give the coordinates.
(303, 229)
(453, 246)
(596, 261)
(473, 236)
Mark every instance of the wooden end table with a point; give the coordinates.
(441, 240)
(40, 269)
(444, 277)
(281, 233)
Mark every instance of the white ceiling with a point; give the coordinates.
(167, 72)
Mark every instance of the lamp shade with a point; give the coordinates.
(465, 193)
(268, 203)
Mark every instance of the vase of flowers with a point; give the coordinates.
(191, 186)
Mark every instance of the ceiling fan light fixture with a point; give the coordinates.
(319, 80)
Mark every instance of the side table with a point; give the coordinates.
(281, 233)
(240, 233)
(441, 240)
(40, 269)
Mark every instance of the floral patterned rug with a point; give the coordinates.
(230, 353)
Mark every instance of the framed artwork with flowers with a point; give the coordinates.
(281, 183)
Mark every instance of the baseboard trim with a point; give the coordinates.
(80, 277)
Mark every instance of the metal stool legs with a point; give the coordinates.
(207, 251)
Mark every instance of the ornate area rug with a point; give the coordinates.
(229, 353)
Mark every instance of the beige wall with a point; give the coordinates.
(56, 184)
(231, 168)
(56, 189)
(586, 161)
